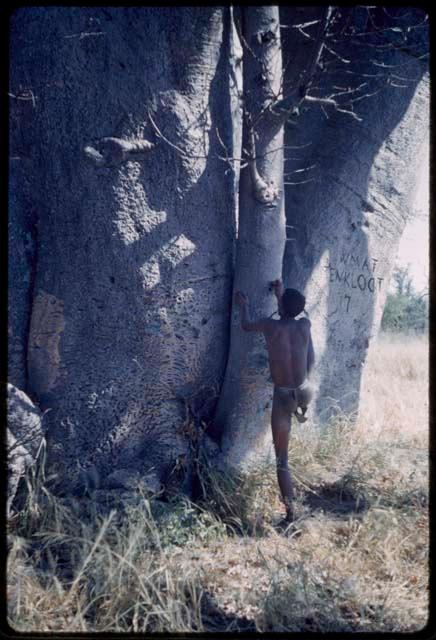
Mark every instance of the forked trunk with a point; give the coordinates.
(242, 416)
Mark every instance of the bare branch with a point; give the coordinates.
(332, 103)
(336, 55)
(297, 146)
(231, 161)
(350, 113)
(343, 91)
(325, 113)
(303, 25)
(297, 183)
(365, 95)
(24, 94)
(86, 34)
(324, 101)
(284, 108)
(171, 144)
(312, 166)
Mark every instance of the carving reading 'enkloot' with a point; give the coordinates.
(109, 152)
(355, 273)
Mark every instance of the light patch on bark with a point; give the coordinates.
(150, 273)
(236, 95)
(173, 252)
(187, 126)
(135, 216)
(177, 249)
(185, 298)
(317, 294)
(46, 326)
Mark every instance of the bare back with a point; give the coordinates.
(287, 342)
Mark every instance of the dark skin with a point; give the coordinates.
(291, 358)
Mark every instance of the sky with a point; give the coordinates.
(414, 243)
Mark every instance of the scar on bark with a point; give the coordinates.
(109, 152)
(264, 192)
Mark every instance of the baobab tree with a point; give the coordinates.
(141, 196)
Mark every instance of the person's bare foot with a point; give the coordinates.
(288, 528)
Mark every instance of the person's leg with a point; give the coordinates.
(282, 409)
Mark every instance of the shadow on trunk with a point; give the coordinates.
(346, 216)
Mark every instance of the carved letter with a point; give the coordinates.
(344, 258)
(365, 264)
(361, 278)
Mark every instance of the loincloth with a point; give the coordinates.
(302, 386)
(295, 398)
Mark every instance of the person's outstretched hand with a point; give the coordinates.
(277, 287)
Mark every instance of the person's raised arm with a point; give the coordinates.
(310, 355)
(305, 324)
(278, 288)
(246, 323)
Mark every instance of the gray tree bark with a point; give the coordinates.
(126, 320)
(24, 438)
(242, 413)
(122, 225)
(346, 221)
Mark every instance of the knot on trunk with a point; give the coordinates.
(267, 193)
(265, 37)
(109, 152)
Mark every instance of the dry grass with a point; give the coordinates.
(358, 560)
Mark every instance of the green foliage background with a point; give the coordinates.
(405, 310)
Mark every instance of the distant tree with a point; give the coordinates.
(405, 310)
(403, 280)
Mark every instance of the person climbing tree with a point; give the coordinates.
(291, 358)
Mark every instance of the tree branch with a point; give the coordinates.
(282, 109)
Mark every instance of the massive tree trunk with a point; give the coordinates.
(242, 417)
(129, 307)
(122, 222)
(346, 221)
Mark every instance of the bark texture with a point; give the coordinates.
(242, 417)
(128, 313)
(24, 437)
(122, 224)
(345, 223)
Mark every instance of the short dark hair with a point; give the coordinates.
(293, 302)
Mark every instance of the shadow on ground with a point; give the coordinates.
(337, 498)
(215, 619)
